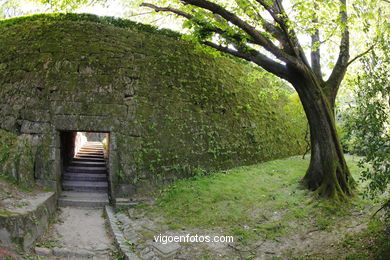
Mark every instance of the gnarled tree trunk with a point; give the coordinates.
(328, 173)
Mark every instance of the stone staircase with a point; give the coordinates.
(85, 182)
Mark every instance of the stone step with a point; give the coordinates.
(88, 169)
(101, 155)
(71, 176)
(84, 182)
(88, 163)
(75, 159)
(81, 154)
(90, 151)
(83, 199)
(93, 146)
(85, 186)
(88, 156)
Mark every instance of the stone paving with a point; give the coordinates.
(133, 244)
(79, 233)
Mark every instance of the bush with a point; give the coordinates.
(367, 121)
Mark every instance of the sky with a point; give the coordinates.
(114, 8)
(29, 7)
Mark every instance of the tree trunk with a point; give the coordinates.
(328, 173)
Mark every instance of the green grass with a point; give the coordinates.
(233, 197)
(264, 200)
(373, 243)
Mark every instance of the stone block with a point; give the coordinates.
(87, 123)
(122, 218)
(149, 255)
(52, 185)
(125, 202)
(89, 108)
(42, 251)
(55, 169)
(61, 252)
(55, 139)
(22, 229)
(131, 236)
(145, 251)
(167, 250)
(68, 253)
(54, 154)
(131, 256)
(8, 123)
(6, 109)
(124, 190)
(35, 127)
(5, 237)
(35, 115)
(83, 254)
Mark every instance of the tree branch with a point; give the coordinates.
(275, 31)
(168, 9)
(242, 50)
(228, 50)
(361, 55)
(250, 30)
(252, 55)
(278, 34)
(315, 48)
(207, 27)
(340, 68)
(279, 15)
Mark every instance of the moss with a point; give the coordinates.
(16, 159)
(6, 213)
(7, 144)
(176, 111)
(114, 21)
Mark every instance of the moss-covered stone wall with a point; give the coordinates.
(171, 109)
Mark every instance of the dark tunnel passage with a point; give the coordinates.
(84, 163)
(71, 142)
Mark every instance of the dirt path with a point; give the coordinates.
(78, 232)
(83, 228)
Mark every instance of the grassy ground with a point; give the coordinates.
(265, 202)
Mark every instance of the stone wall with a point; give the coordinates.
(171, 109)
(23, 228)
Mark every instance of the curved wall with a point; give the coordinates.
(171, 109)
